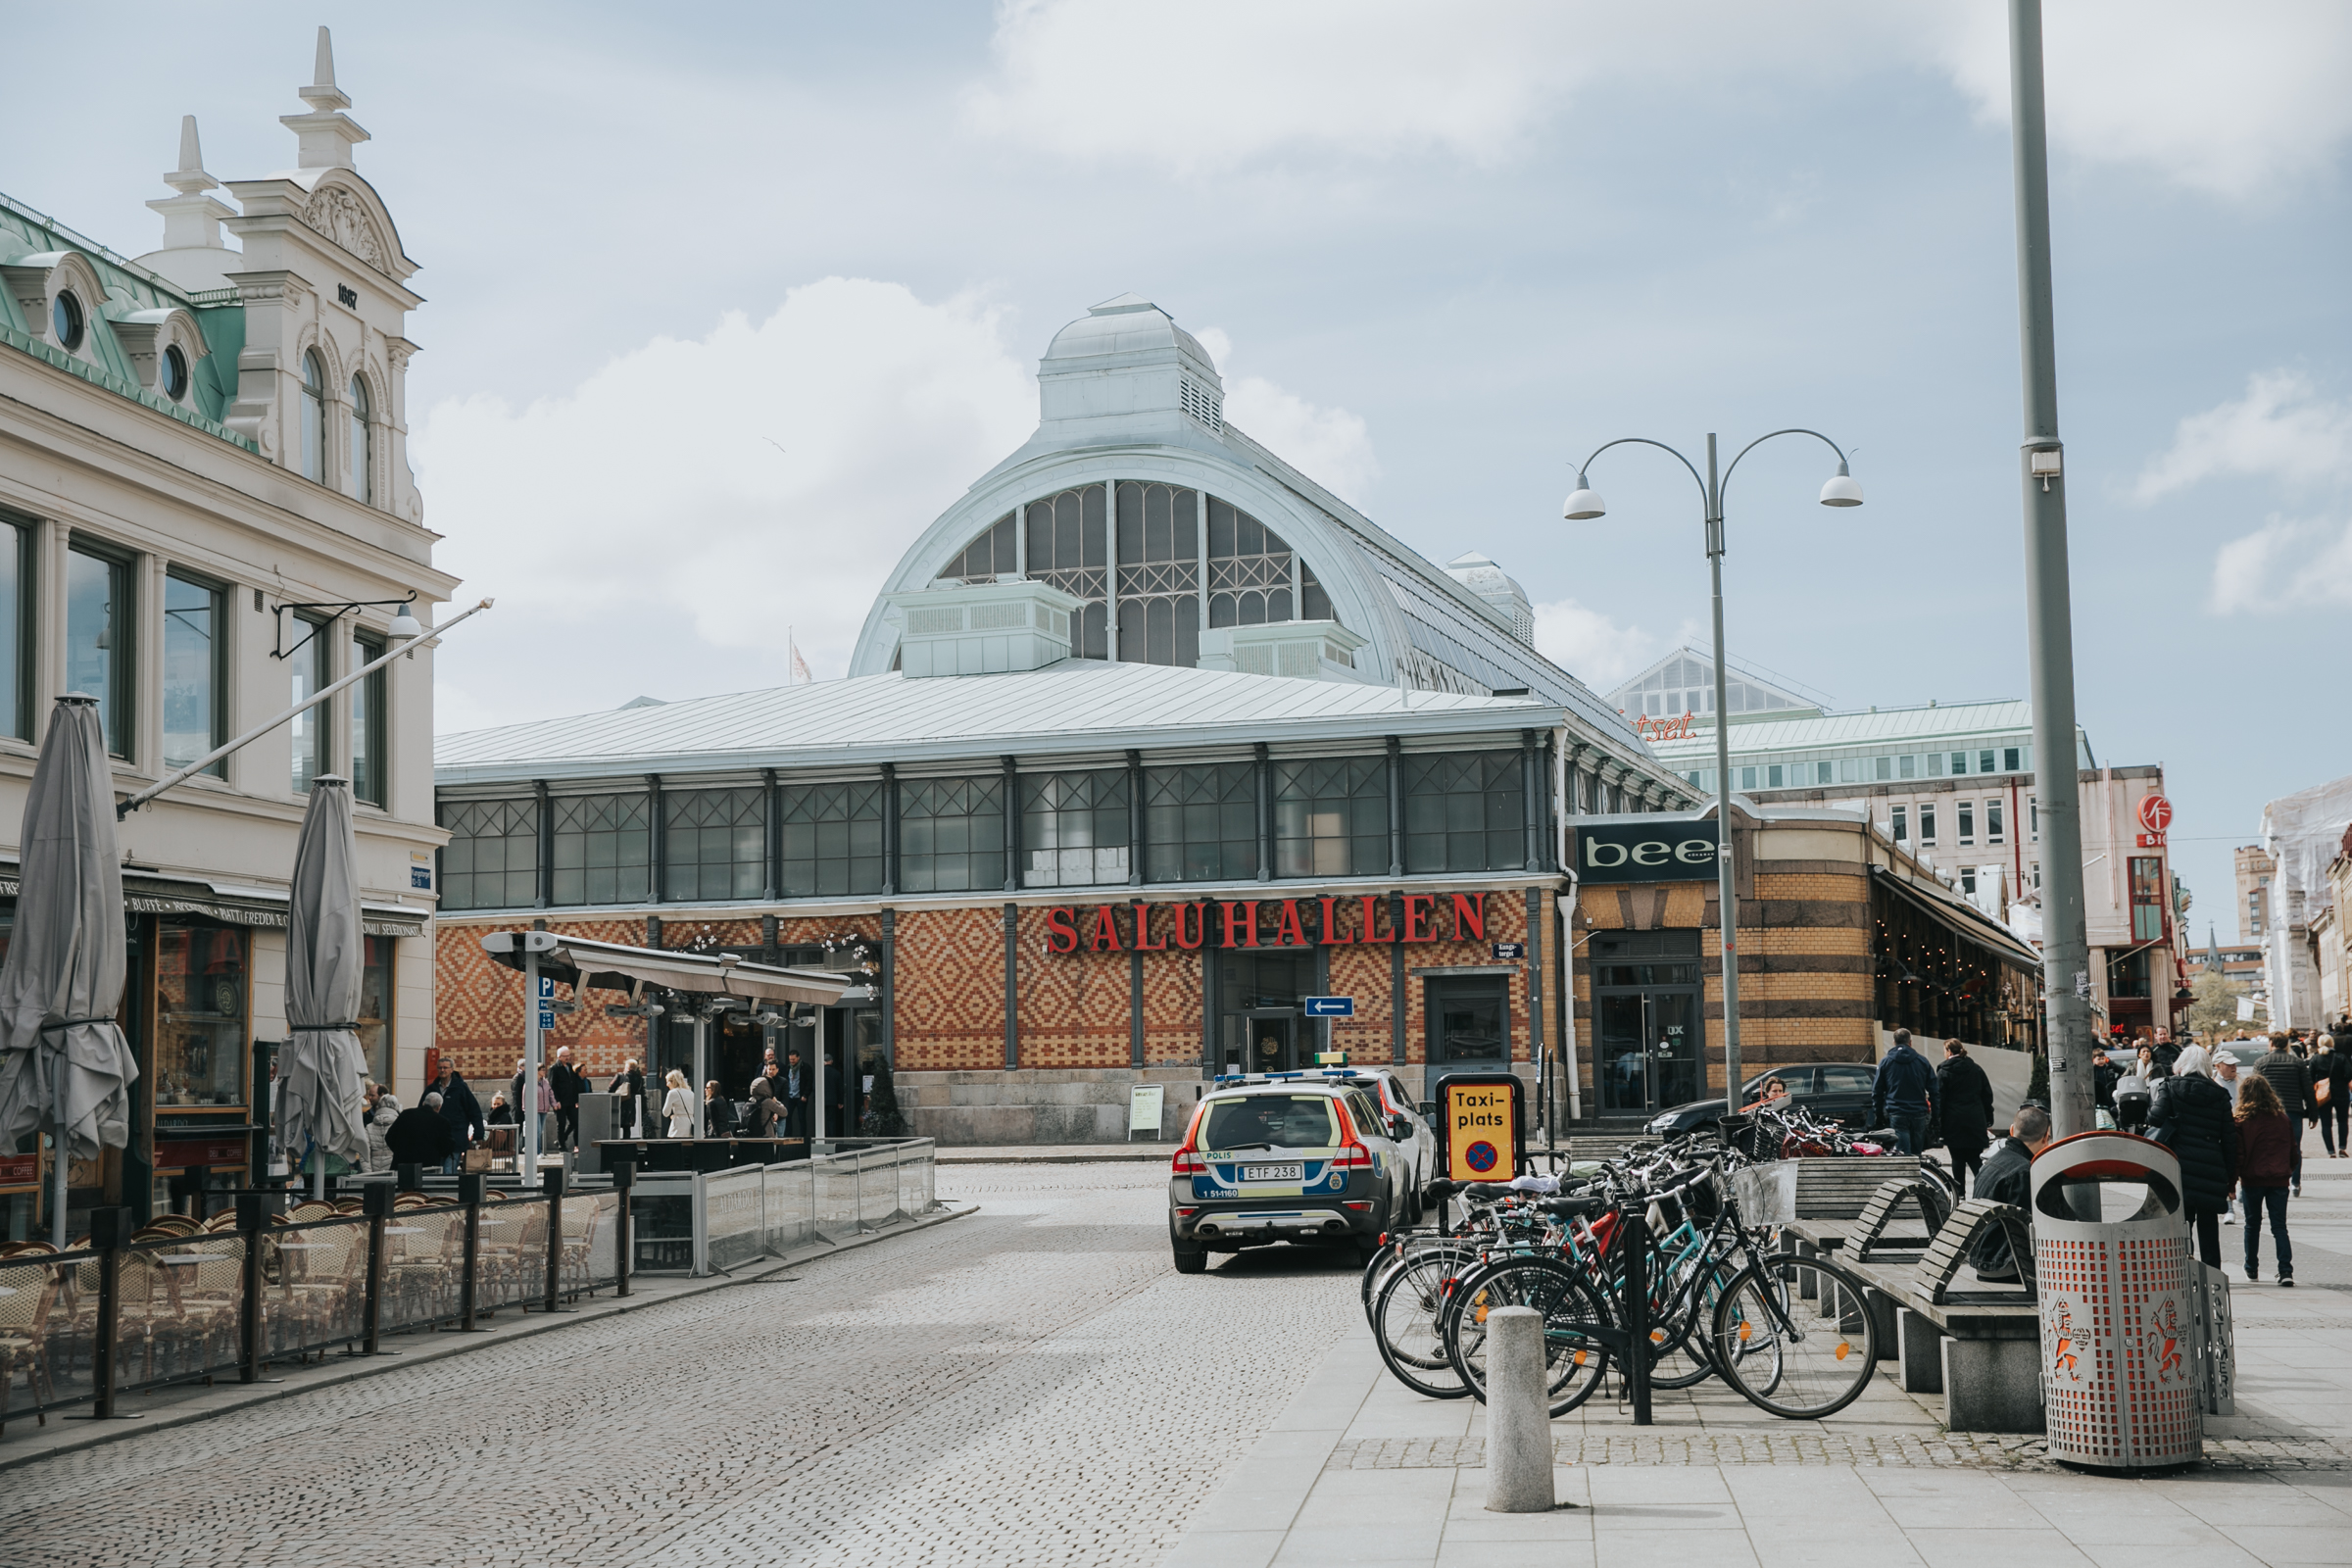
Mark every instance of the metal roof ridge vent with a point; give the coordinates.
(1303, 650)
(1498, 590)
(980, 628)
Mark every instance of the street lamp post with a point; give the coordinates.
(1586, 504)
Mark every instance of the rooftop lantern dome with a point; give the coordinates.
(1125, 372)
(1499, 590)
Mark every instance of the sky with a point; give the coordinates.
(725, 304)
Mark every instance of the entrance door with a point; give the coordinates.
(1273, 1042)
(1647, 1034)
(852, 1045)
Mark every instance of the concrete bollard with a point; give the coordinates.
(1518, 1414)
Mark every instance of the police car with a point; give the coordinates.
(1289, 1157)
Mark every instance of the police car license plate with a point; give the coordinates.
(1273, 1173)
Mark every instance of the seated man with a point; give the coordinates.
(2005, 1179)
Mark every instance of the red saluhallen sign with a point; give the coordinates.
(1334, 922)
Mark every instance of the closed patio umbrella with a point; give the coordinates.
(322, 1085)
(63, 1060)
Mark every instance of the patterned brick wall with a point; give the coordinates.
(1506, 921)
(1074, 1006)
(1363, 972)
(478, 1007)
(948, 979)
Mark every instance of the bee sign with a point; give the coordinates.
(1480, 1126)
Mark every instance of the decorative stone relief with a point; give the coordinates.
(334, 212)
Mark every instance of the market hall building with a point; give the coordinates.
(1146, 740)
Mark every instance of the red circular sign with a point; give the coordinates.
(1480, 1155)
(2155, 812)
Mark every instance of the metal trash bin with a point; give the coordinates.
(2121, 1369)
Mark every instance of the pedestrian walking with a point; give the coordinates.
(2289, 1076)
(1964, 1095)
(2331, 1091)
(2191, 1117)
(568, 1083)
(380, 1150)
(462, 1112)
(420, 1137)
(544, 1103)
(629, 1084)
(718, 1112)
(2007, 1178)
(1903, 1095)
(677, 1106)
(2266, 1134)
(766, 1109)
(796, 1097)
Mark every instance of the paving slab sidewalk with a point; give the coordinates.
(1055, 1155)
(1359, 1470)
(69, 1427)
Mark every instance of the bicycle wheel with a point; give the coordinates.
(1684, 1337)
(1576, 1361)
(1795, 1337)
(1405, 1325)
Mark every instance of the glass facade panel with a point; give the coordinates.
(1069, 547)
(1159, 576)
(1248, 570)
(832, 839)
(603, 849)
(367, 699)
(989, 555)
(200, 1014)
(1464, 812)
(2147, 898)
(1201, 823)
(99, 617)
(195, 672)
(714, 844)
(1330, 817)
(951, 834)
(1074, 828)
(307, 730)
(491, 860)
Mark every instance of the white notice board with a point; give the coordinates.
(1144, 1102)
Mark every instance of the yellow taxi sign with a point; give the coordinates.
(1478, 1118)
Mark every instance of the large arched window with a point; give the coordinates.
(1068, 548)
(313, 419)
(363, 445)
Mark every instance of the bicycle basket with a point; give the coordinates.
(1766, 1194)
(1752, 1138)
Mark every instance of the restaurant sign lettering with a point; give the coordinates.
(1411, 918)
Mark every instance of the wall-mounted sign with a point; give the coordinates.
(1335, 923)
(2150, 841)
(1510, 952)
(2155, 812)
(1658, 849)
(1665, 730)
(1329, 1007)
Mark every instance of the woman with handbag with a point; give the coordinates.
(2331, 1072)
(677, 1106)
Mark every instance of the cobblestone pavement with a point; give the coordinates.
(1017, 1388)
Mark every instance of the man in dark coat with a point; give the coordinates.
(461, 1112)
(2007, 1179)
(1903, 1095)
(2291, 1076)
(568, 1083)
(419, 1136)
(1964, 1095)
(2190, 1116)
(794, 1089)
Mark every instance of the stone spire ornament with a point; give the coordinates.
(326, 135)
(191, 219)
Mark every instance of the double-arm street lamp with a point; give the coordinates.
(1586, 504)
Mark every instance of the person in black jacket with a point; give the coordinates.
(461, 1112)
(1903, 1094)
(2190, 1116)
(718, 1112)
(2332, 1069)
(568, 1083)
(2291, 1076)
(1964, 1096)
(419, 1136)
(2007, 1178)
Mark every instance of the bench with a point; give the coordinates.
(1980, 1349)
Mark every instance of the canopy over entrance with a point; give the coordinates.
(613, 967)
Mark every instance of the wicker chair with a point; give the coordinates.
(25, 1328)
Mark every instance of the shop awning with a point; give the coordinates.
(1964, 921)
(612, 967)
(236, 905)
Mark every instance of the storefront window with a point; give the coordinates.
(1159, 576)
(1074, 828)
(951, 834)
(1330, 817)
(715, 845)
(308, 728)
(1464, 812)
(832, 839)
(374, 1016)
(99, 657)
(492, 858)
(1201, 823)
(1068, 547)
(195, 671)
(200, 1023)
(367, 700)
(603, 849)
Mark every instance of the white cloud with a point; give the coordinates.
(1330, 446)
(2231, 100)
(645, 534)
(1590, 646)
(2281, 429)
(2285, 565)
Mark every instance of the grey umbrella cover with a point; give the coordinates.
(66, 963)
(321, 1078)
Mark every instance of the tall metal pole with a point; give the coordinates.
(2049, 615)
(1727, 897)
(526, 1114)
